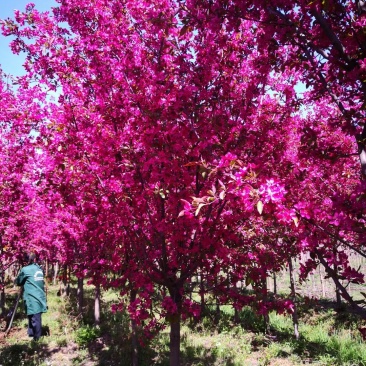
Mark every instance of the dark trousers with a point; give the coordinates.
(35, 326)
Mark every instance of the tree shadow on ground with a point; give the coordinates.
(112, 344)
(113, 347)
(25, 354)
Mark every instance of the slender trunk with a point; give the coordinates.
(97, 305)
(68, 278)
(338, 297)
(322, 282)
(337, 293)
(55, 273)
(274, 284)
(2, 295)
(46, 270)
(14, 273)
(175, 341)
(217, 312)
(265, 300)
(2, 301)
(134, 341)
(80, 295)
(236, 316)
(295, 320)
(46, 279)
(202, 295)
(313, 287)
(65, 289)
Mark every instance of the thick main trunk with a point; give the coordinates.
(174, 358)
(175, 319)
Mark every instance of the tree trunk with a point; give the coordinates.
(337, 293)
(68, 278)
(46, 270)
(202, 295)
(236, 316)
(176, 295)
(65, 288)
(265, 300)
(80, 295)
(175, 341)
(134, 341)
(2, 295)
(217, 312)
(322, 283)
(295, 320)
(274, 283)
(55, 273)
(97, 305)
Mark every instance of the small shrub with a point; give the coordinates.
(86, 334)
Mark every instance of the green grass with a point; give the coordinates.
(320, 340)
(327, 338)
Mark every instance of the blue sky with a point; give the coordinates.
(12, 64)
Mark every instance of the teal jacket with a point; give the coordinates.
(34, 296)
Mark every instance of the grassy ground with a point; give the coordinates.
(327, 338)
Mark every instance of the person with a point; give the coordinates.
(34, 296)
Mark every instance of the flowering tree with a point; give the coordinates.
(19, 208)
(324, 41)
(160, 102)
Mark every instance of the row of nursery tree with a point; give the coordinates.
(167, 141)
